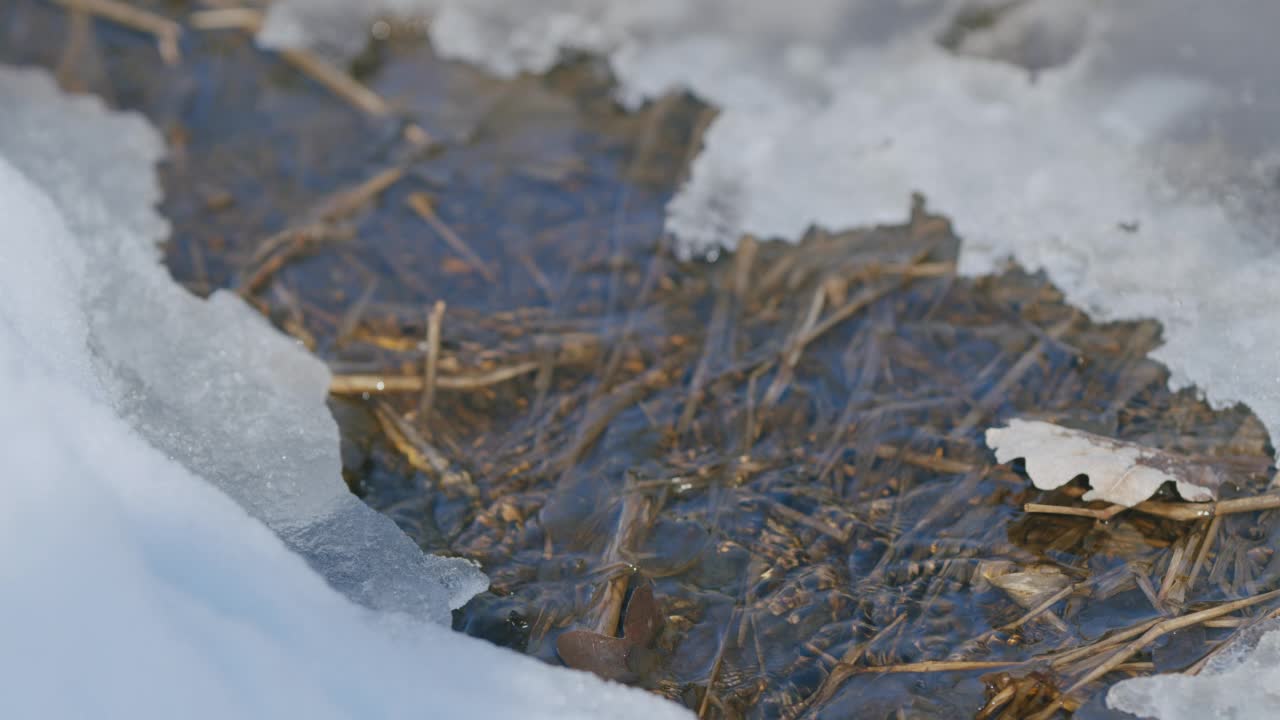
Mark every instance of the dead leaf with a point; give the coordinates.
(627, 659)
(600, 654)
(1027, 586)
(1119, 472)
(644, 618)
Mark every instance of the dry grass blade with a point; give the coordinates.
(357, 384)
(936, 463)
(937, 666)
(1067, 658)
(847, 666)
(1156, 631)
(742, 262)
(337, 81)
(634, 519)
(1170, 510)
(1100, 514)
(279, 250)
(166, 31)
(420, 454)
(992, 398)
(421, 204)
(347, 202)
(308, 63)
(434, 319)
(1036, 611)
(229, 18)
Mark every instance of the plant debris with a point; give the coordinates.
(630, 658)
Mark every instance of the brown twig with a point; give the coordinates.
(434, 319)
(282, 248)
(165, 31)
(718, 663)
(420, 203)
(346, 202)
(932, 666)
(228, 18)
(356, 384)
(1036, 611)
(337, 81)
(1101, 514)
(420, 454)
(993, 397)
(308, 63)
(1156, 631)
(633, 520)
(1172, 510)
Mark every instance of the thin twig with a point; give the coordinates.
(633, 519)
(282, 248)
(932, 666)
(993, 397)
(1210, 535)
(356, 384)
(434, 320)
(337, 81)
(308, 63)
(231, 18)
(1185, 511)
(1034, 612)
(1102, 514)
(1157, 631)
(420, 203)
(718, 663)
(1076, 655)
(165, 31)
(420, 454)
(351, 318)
(347, 202)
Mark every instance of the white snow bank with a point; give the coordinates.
(147, 437)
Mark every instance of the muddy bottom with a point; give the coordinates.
(756, 486)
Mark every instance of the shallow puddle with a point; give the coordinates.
(785, 444)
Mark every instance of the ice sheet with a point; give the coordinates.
(208, 383)
(150, 439)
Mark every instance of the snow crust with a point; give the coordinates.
(176, 540)
(1240, 684)
(1127, 148)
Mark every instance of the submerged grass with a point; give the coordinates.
(779, 451)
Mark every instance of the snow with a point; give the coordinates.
(174, 531)
(1127, 148)
(1239, 684)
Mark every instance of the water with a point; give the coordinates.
(804, 511)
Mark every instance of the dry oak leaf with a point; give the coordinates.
(1119, 472)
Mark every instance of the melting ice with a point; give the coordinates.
(173, 506)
